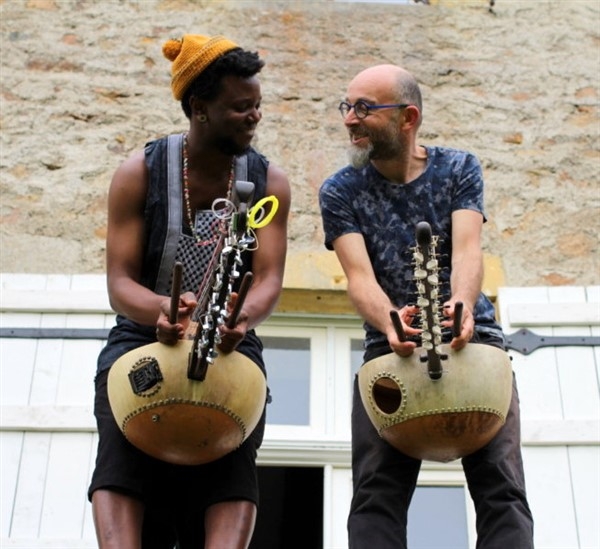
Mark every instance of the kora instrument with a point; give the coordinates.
(437, 404)
(188, 404)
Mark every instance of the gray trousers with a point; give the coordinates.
(384, 480)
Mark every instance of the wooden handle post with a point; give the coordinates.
(243, 292)
(175, 292)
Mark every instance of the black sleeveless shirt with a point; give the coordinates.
(167, 241)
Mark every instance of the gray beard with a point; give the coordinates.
(384, 145)
(359, 157)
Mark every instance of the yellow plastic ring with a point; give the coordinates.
(258, 207)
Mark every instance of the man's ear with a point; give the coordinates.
(198, 108)
(412, 116)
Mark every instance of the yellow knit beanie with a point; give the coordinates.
(190, 56)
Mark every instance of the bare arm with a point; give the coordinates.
(367, 296)
(125, 244)
(467, 269)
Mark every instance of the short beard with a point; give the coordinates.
(384, 144)
(360, 157)
(228, 146)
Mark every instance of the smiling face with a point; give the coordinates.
(377, 136)
(372, 141)
(234, 114)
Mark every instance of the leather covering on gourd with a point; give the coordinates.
(188, 404)
(437, 404)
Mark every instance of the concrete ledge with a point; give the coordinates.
(314, 282)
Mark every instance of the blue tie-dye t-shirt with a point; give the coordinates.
(386, 214)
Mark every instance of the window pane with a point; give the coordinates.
(288, 373)
(356, 359)
(437, 517)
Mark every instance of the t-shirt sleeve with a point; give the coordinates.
(337, 215)
(468, 193)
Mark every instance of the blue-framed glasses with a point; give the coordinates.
(362, 108)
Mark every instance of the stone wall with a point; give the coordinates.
(84, 83)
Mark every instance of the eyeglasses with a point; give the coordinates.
(362, 109)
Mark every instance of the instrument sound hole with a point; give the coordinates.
(387, 395)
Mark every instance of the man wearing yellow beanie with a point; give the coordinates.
(168, 205)
(191, 55)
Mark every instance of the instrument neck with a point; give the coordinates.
(194, 329)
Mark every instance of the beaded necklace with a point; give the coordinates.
(186, 195)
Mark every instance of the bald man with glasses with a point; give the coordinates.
(370, 209)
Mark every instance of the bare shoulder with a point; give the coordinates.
(131, 176)
(278, 184)
(128, 188)
(133, 166)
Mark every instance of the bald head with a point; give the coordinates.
(386, 84)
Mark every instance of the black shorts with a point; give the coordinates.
(164, 487)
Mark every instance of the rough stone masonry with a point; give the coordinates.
(84, 83)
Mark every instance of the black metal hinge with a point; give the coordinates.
(525, 341)
(54, 333)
